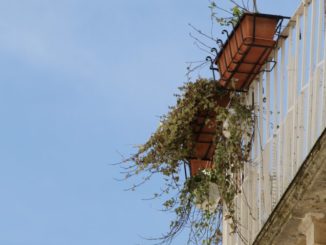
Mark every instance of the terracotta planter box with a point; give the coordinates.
(197, 165)
(204, 147)
(247, 49)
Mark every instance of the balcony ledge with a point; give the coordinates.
(305, 195)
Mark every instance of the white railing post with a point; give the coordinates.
(312, 94)
(290, 103)
(275, 123)
(324, 71)
(295, 96)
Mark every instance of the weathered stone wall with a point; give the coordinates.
(300, 216)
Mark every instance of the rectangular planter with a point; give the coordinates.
(197, 165)
(204, 129)
(247, 49)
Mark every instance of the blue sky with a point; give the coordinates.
(81, 81)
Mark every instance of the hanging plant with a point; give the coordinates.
(249, 41)
(198, 200)
(229, 11)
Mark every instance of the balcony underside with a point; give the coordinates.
(305, 197)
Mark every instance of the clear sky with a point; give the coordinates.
(81, 81)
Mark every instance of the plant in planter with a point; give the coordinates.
(204, 128)
(248, 46)
(198, 200)
(227, 12)
(247, 49)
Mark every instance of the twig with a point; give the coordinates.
(197, 40)
(226, 11)
(255, 6)
(196, 61)
(201, 33)
(190, 70)
(238, 5)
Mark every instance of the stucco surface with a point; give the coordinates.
(305, 196)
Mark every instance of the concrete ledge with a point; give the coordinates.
(306, 194)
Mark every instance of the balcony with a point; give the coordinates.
(283, 191)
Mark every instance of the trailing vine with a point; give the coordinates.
(200, 200)
(172, 146)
